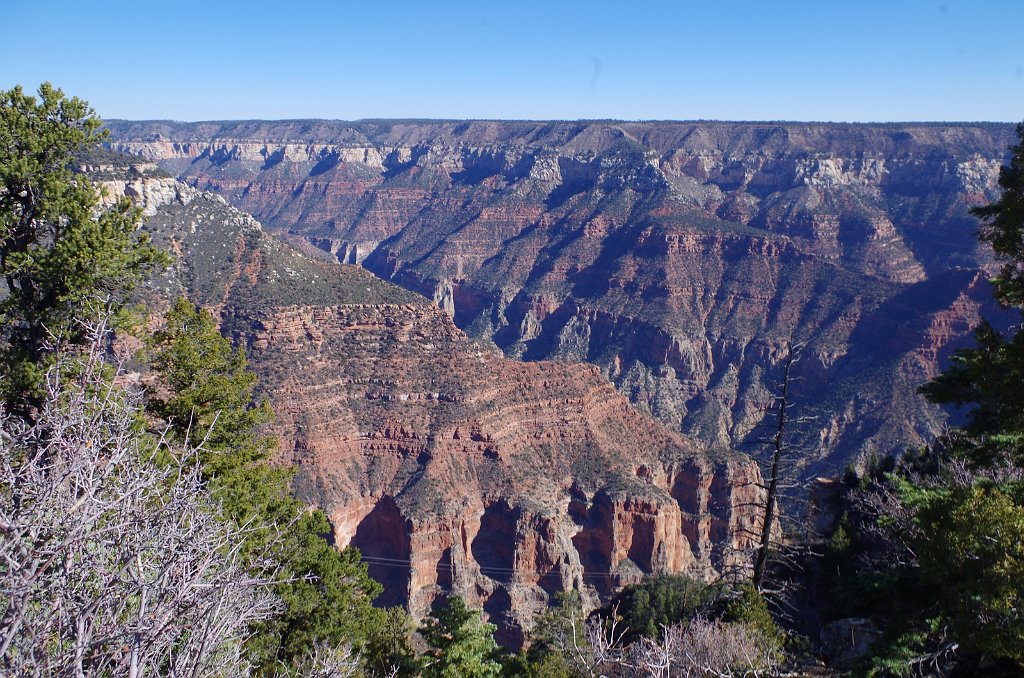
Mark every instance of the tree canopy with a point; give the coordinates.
(462, 644)
(61, 256)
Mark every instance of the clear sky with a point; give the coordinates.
(864, 60)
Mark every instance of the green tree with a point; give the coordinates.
(988, 378)
(212, 400)
(747, 606)
(391, 646)
(462, 644)
(556, 627)
(557, 636)
(971, 552)
(327, 593)
(660, 601)
(970, 530)
(62, 258)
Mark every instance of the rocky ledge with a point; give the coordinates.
(452, 467)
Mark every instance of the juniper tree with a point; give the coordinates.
(61, 256)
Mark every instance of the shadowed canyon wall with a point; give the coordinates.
(679, 258)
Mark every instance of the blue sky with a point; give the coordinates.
(639, 59)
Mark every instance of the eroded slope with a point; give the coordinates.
(450, 466)
(678, 257)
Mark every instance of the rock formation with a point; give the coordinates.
(677, 257)
(450, 466)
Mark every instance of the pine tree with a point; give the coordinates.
(212, 393)
(62, 258)
(327, 593)
(462, 644)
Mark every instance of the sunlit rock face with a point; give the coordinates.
(450, 466)
(679, 258)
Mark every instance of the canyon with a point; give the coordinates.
(450, 466)
(680, 259)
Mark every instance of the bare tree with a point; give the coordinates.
(113, 560)
(770, 517)
(592, 646)
(602, 647)
(699, 647)
(327, 662)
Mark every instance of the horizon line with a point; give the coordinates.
(569, 120)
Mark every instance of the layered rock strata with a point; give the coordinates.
(680, 258)
(450, 466)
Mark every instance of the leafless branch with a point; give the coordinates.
(114, 559)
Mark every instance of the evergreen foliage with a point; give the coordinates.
(555, 632)
(461, 643)
(211, 400)
(989, 378)
(65, 259)
(61, 256)
(327, 594)
(971, 551)
(547, 664)
(390, 646)
(746, 606)
(556, 626)
(661, 601)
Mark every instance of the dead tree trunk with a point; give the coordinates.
(778, 445)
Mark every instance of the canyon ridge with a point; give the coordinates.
(451, 467)
(680, 259)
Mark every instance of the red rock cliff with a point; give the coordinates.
(450, 466)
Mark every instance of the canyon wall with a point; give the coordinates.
(679, 258)
(450, 466)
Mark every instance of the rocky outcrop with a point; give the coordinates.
(450, 466)
(507, 481)
(678, 257)
(148, 193)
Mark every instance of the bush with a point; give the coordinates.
(114, 559)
